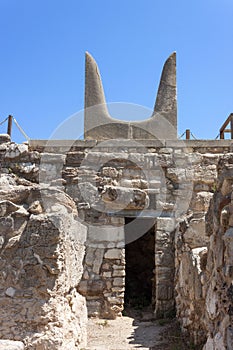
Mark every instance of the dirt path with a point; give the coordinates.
(126, 333)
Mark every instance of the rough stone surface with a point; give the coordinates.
(43, 283)
(41, 252)
(11, 345)
(204, 275)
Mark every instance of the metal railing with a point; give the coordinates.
(188, 135)
(10, 119)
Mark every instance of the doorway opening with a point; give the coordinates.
(140, 262)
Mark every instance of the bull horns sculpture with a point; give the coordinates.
(99, 125)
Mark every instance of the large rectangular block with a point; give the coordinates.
(106, 233)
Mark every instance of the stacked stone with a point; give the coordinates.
(191, 243)
(204, 257)
(104, 269)
(108, 184)
(41, 251)
(126, 180)
(219, 269)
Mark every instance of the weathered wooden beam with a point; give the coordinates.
(9, 126)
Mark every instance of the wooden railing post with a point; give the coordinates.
(224, 129)
(9, 126)
(231, 122)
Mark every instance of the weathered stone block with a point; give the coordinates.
(98, 259)
(114, 254)
(11, 345)
(165, 224)
(119, 282)
(195, 235)
(106, 233)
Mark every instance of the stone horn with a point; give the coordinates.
(99, 125)
(166, 100)
(94, 92)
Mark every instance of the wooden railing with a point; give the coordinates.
(224, 129)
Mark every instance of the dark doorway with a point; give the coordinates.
(140, 262)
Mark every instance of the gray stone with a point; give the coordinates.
(4, 138)
(165, 224)
(15, 150)
(119, 282)
(98, 259)
(106, 233)
(99, 125)
(10, 292)
(113, 254)
(195, 236)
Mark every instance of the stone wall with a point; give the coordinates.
(219, 267)
(204, 271)
(41, 252)
(171, 182)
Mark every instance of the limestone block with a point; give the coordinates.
(205, 174)
(107, 274)
(11, 345)
(118, 273)
(122, 198)
(114, 254)
(155, 184)
(165, 224)
(89, 257)
(98, 259)
(115, 300)
(15, 150)
(119, 282)
(166, 150)
(201, 201)
(176, 175)
(106, 233)
(4, 138)
(195, 235)
(95, 287)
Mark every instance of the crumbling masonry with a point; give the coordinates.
(128, 215)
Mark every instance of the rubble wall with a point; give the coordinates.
(173, 182)
(204, 271)
(218, 291)
(41, 252)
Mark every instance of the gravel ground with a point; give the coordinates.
(126, 333)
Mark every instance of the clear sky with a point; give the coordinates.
(43, 44)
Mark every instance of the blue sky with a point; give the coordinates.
(43, 44)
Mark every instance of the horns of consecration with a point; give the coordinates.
(166, 96)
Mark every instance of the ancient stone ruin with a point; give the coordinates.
(130, 215)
